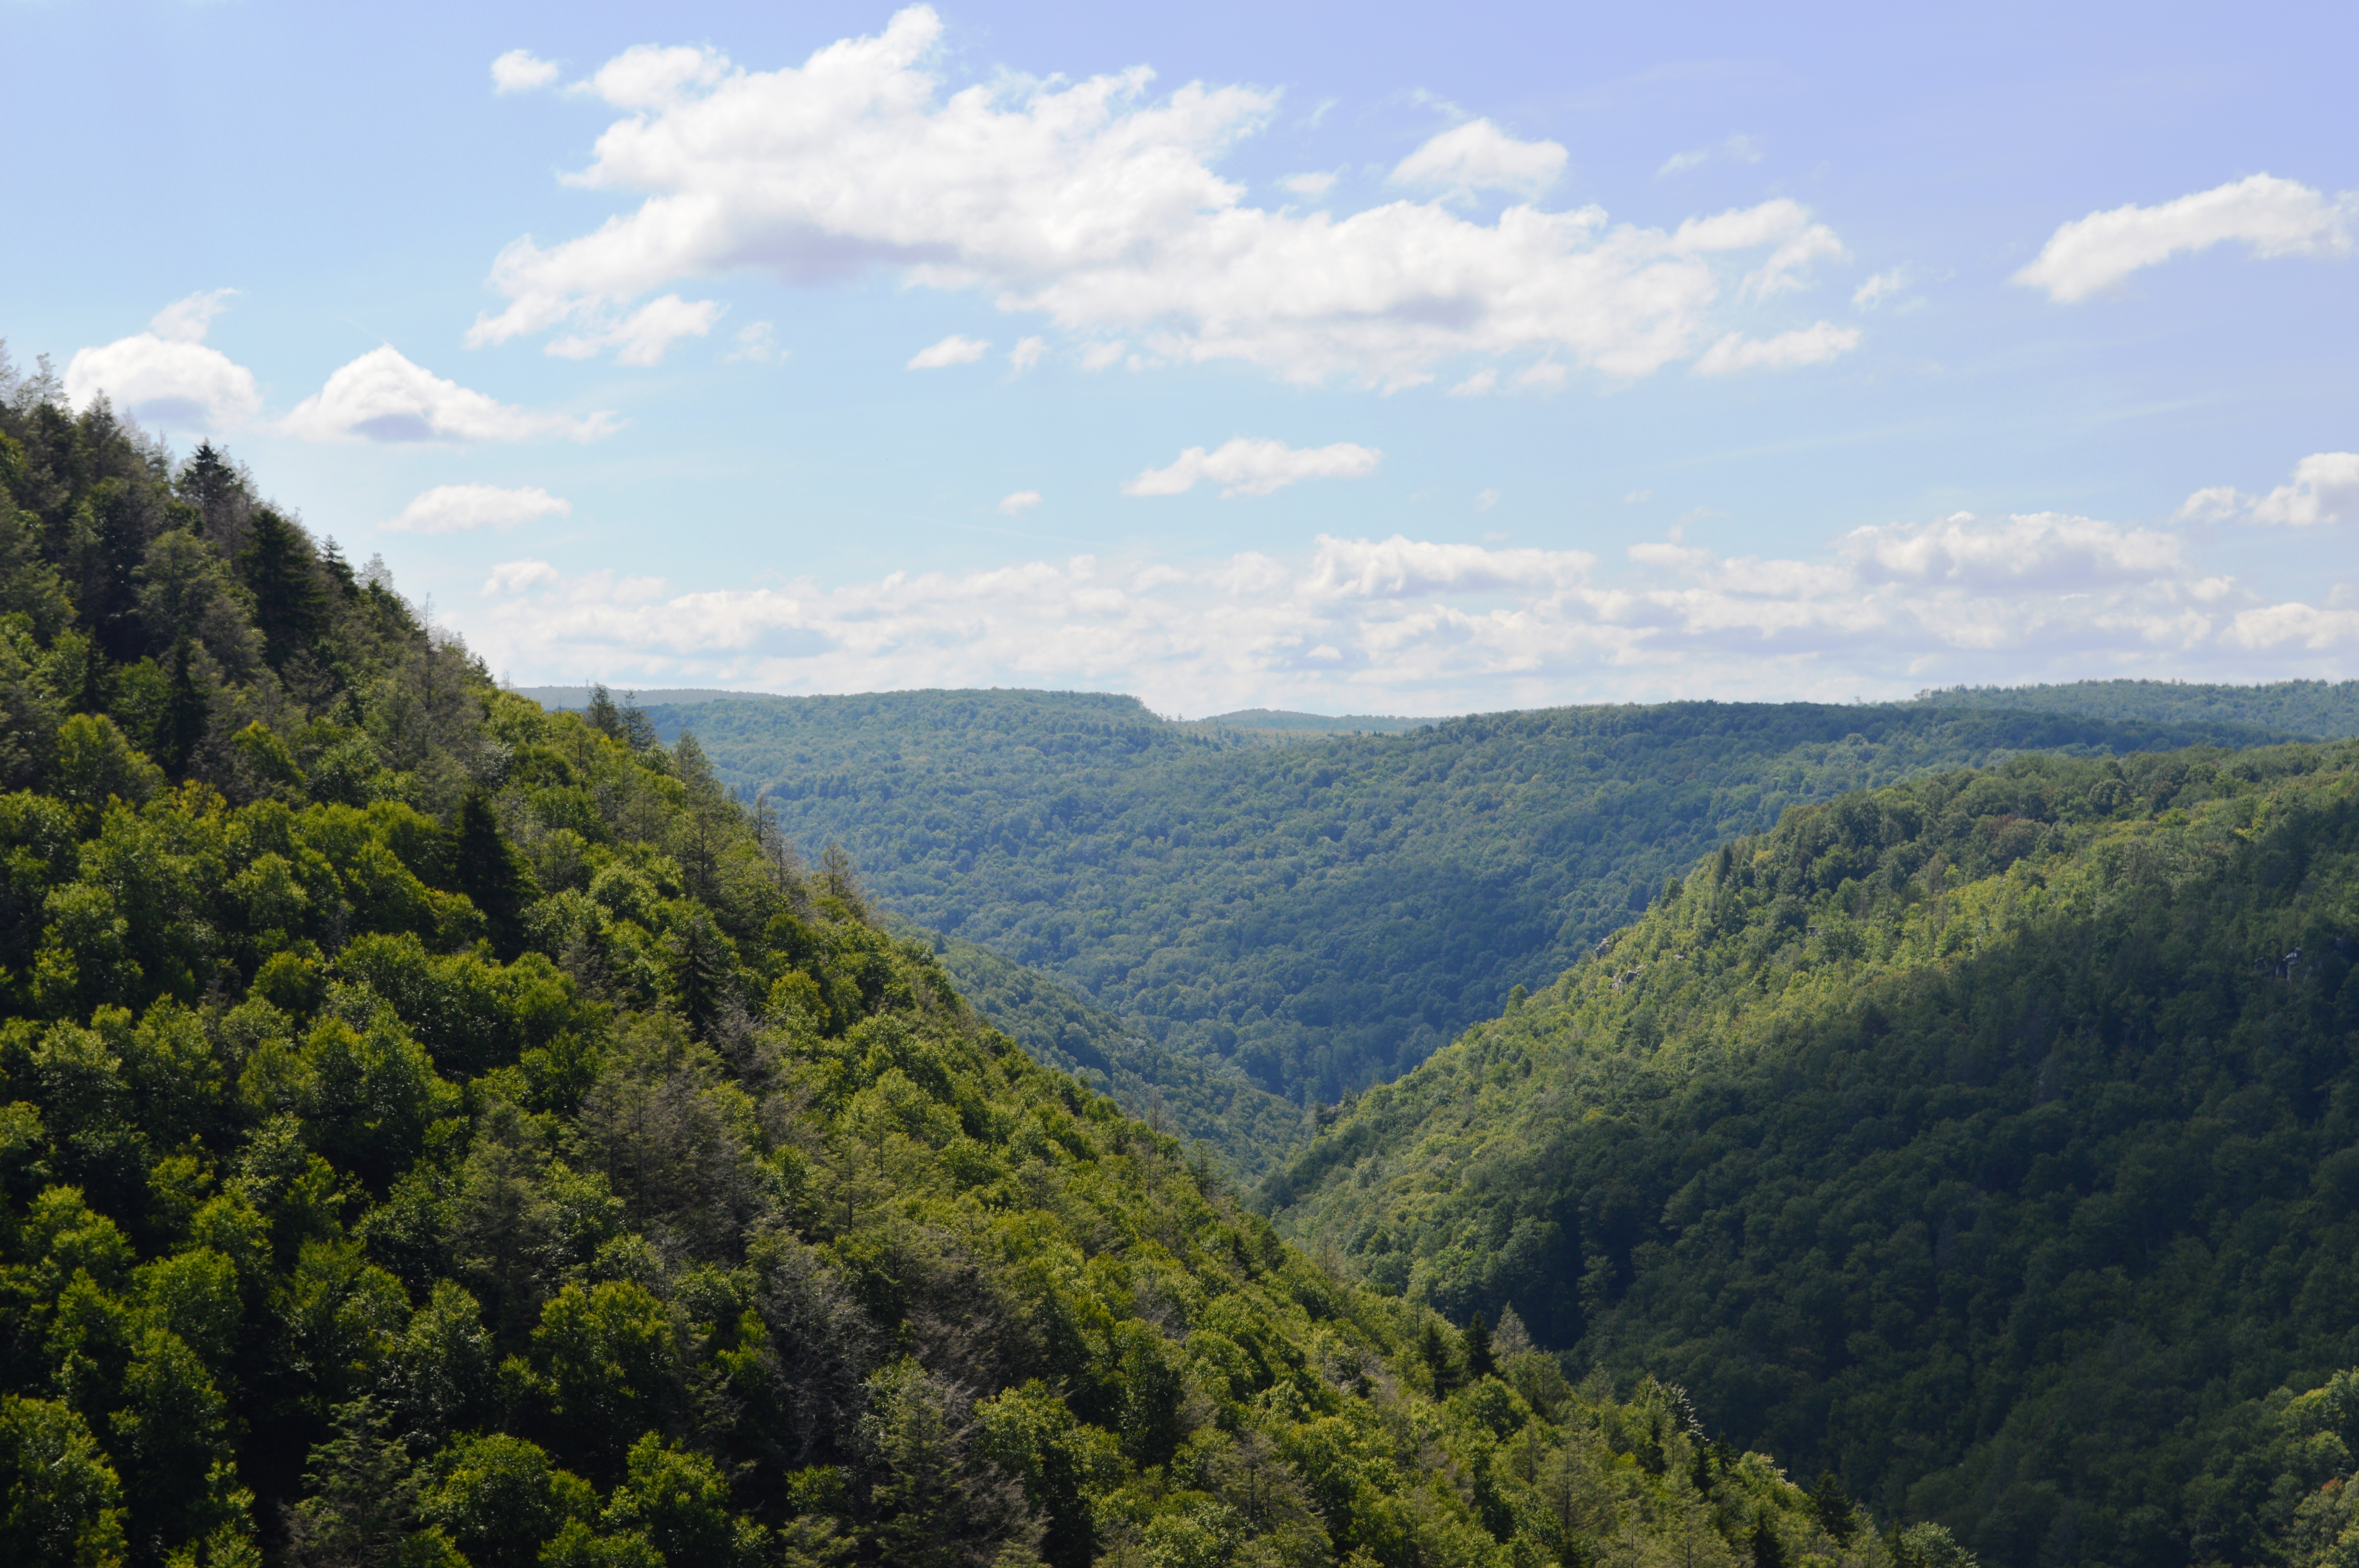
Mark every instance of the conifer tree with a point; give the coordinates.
(282, 573)
(186, 710)
(1479, 1362)
(603, 714)
(492, 875)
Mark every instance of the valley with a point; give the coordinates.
(1011, 1129)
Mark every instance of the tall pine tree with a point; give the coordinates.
(492, 875)
(282, 572)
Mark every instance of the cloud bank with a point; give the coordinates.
(1401, 624)
(1095, 204)
(2272, 217)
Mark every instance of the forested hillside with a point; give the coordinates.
(1321, 917)
(1249, 1128)
(1992, 1140)
(2299, 710)
(436, 1133)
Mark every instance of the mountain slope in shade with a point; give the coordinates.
(1992, 1140)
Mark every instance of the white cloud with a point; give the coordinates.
(1738, 148)
(651, 76)
(165, 376)
(2325, 489)
(520, 71)
(1310, 187)
(643, 335)
(1808, 346)
(382, 396)
(457, 508)
(1789, 265)
(1482, 381)
(188, 320)
(2040, 550)
(2272, 218)
(1879, 288)
(1478, 156)
(1243, 466)
(953, 349)
(1098, 356)
(1403, 624)
(758, 341)
(1021, 501)
(1027, 354)
(1095, 205)
(516, 577)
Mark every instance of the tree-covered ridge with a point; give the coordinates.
(2296, 709)
(1986, 1138)
(434, 1131)
(1320, 916)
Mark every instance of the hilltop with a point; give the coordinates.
(1988, 1138)
(2302, 710)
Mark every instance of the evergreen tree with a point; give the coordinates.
(491, 874)
(187, 710)
(603, 716)
(638, 730)
(362, 1510)
(1433, 1349)
(1833, 1508)
(213, 486)
(1479, 1364)
(279, 568)
(702, 968)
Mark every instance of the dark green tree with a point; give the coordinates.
(187, 710)
(1834, 1508)
(360, 1511)
(279, 568)
(212, 484)
(1433, 1349)
(1479, 1362)
(491, 874)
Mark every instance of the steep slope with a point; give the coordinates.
(1990, 1139)
(1321, 916)
(436, 1133)
(1250, 1128)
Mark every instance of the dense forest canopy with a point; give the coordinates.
(1989, 1139)
(2300, 709)
(1321, 916)
(438, 1132)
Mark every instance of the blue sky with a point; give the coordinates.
(1339, 358)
